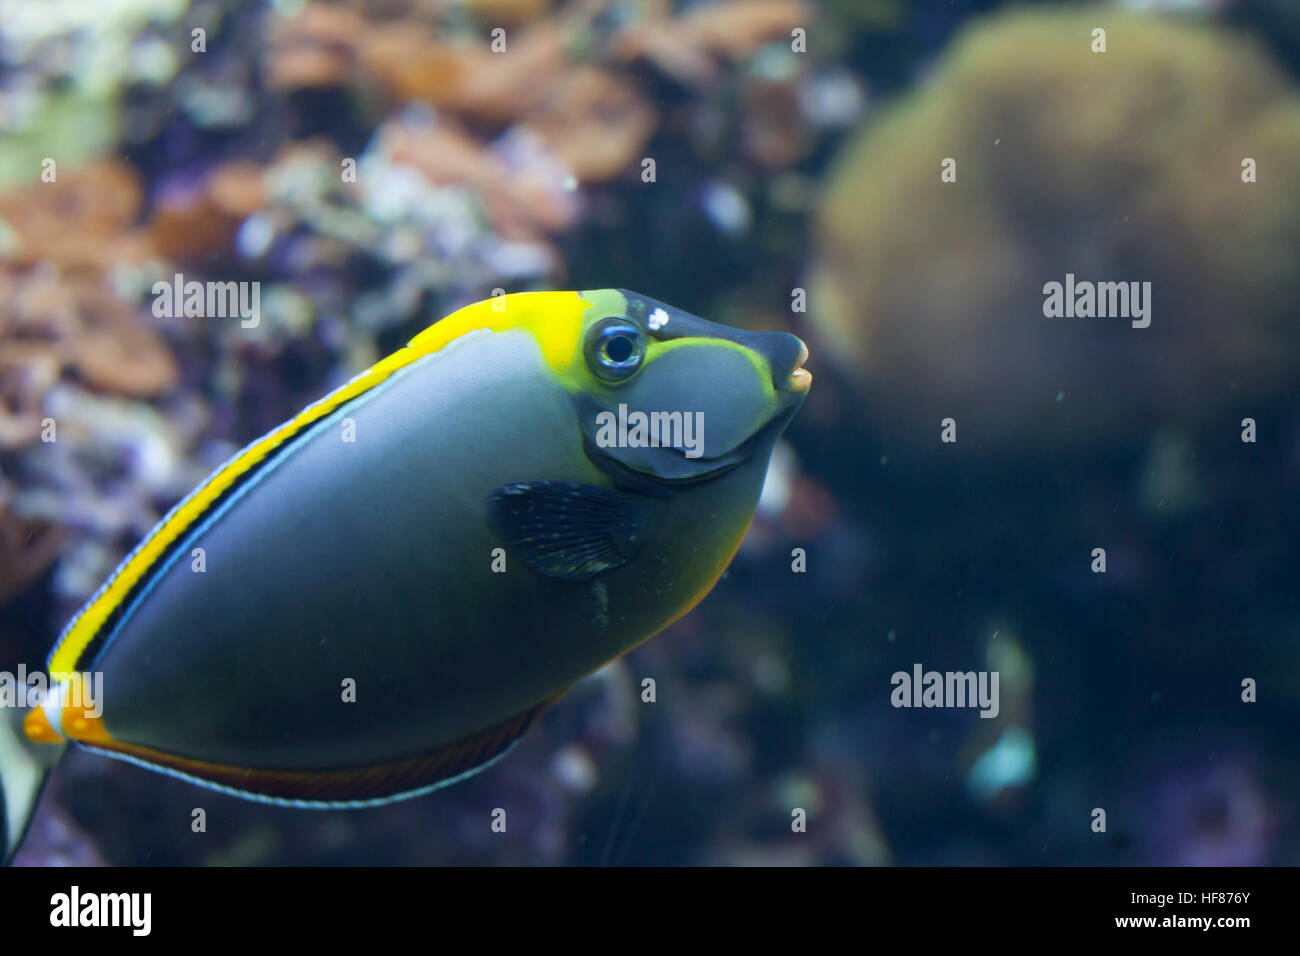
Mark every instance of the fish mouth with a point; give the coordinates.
(799, 380)
(786, 355)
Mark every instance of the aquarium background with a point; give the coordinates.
(796, 184)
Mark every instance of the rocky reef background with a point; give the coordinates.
(797, 149)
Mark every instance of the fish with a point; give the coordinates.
(379, 597)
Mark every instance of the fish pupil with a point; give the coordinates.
(619, 349)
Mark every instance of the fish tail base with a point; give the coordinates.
(25, 765)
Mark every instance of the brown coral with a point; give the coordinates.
(59, 310)
(78, 219)
(691, 47)
(1123, 166)
(59, 320)
(518, 204)
(27, 371)
(317, 47)
(114, 351)
(197, 222)
(325, 45)
(26, 549)
(468, 78)
(597, 123)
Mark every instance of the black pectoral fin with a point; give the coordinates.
(568, 530)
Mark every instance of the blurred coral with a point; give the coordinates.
(201, 221)
(63, 312)
(314, 48)
(27, 547)
(79, 220)
(691, 48)
(1120, 166)
(596, 123)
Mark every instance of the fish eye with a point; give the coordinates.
(615, 348)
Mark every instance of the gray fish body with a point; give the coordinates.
(371, 560)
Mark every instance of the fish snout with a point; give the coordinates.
(785, 356)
